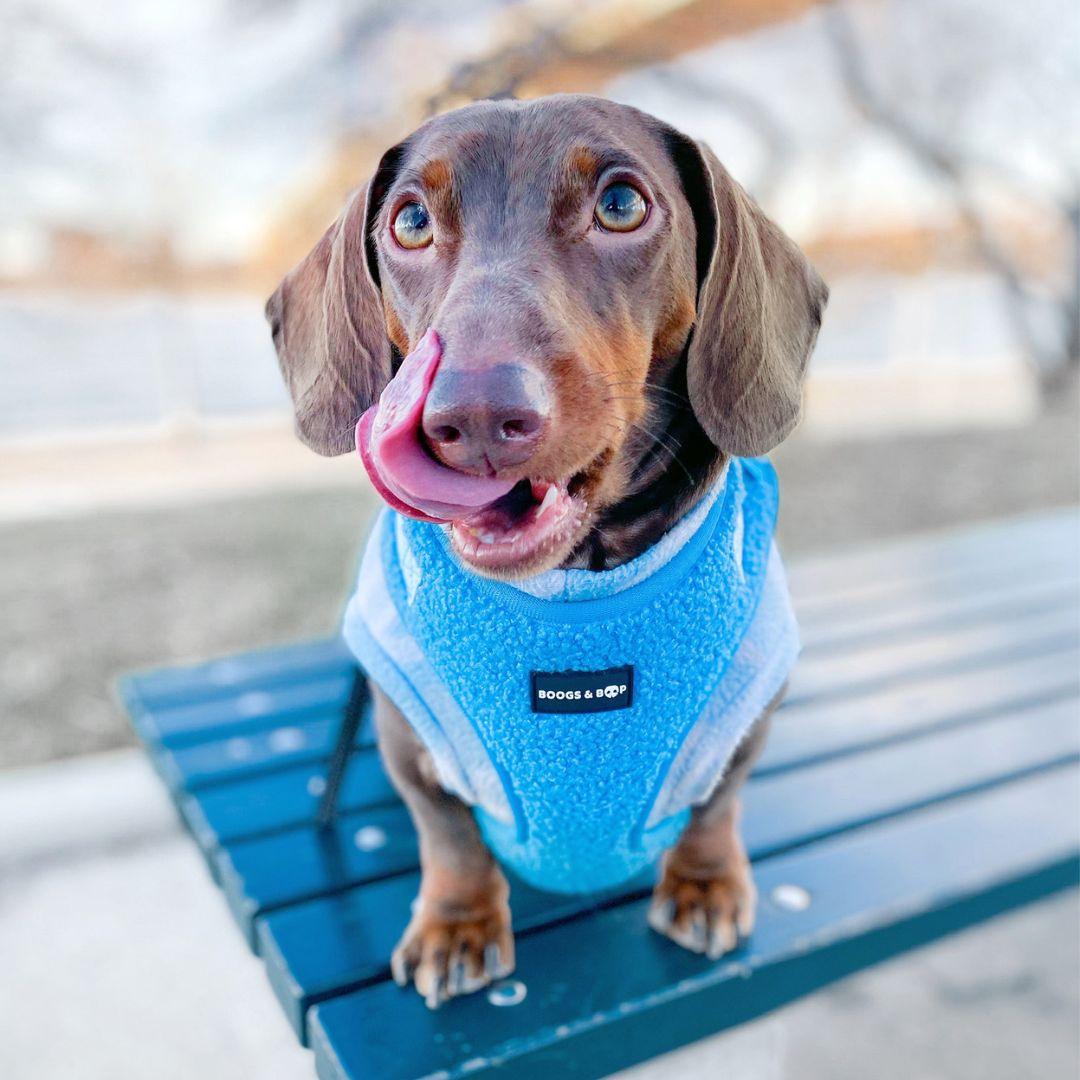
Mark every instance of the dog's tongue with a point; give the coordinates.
(390, 445)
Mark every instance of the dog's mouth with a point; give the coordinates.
(534, 519)
(497, 525)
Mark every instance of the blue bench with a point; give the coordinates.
(921, 777)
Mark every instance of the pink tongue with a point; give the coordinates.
(403, 472)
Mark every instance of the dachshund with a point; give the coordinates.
(615, 317)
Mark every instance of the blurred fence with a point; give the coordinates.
(896, 353)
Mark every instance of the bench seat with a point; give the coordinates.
(920, 777)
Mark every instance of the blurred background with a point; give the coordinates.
(163, 164)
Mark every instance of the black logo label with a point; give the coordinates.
(583, 691)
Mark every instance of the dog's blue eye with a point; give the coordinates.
(412, 226)
(621, 208)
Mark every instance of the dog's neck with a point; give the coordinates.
(670, 463)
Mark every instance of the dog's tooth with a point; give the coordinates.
(549, 498)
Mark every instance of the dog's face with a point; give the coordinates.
(568, 252)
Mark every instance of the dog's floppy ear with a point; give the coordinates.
(328, 326)
(759, 307)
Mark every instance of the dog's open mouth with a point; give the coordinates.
(496, 524)
(533, 519)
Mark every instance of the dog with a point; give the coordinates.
(609, 326)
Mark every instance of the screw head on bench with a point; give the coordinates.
(507, 992)
(370, 838)
(791, 897)
(316, 786)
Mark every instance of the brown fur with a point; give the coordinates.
(668, 348)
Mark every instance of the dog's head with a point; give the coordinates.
(569, 252)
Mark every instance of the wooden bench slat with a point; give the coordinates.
(953, 554)
(329, 946)
(281, 800)
(163, 688)
(605, 992)
(782, 811)
(890, 591)
(237, 757)
(250, 711)
(838, 794)
(304, 862)
(939, 611)
(874, 664)
(820, 729)
(924, 569)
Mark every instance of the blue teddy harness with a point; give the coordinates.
(582, 714)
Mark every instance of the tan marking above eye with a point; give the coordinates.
(412, 226)
(620, 208)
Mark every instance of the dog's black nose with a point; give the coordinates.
(488, 418)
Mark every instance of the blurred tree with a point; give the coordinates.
(984, 96)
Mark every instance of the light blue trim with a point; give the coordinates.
(755, 676)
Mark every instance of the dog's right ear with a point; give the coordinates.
(759, 308)
(329, 329)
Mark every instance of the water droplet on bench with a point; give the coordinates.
(254, 703)
(238, 749)
(286, 740)
(316, 786)
(370, 838)
(791, 897)
(507, 992)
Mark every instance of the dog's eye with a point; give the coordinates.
(412, 226)
(621, 208)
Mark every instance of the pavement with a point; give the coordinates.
(119, 956)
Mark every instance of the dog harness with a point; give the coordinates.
(582, 714)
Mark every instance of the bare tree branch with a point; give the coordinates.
(502, 73)
(947, 162)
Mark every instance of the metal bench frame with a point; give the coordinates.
(358, 701)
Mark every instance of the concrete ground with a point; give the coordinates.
(118, 959)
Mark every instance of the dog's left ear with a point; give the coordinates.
(759, 308)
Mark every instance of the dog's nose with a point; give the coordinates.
(489, 418)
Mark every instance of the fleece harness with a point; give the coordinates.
(582, 714)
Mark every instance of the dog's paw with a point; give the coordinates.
(705, 913)
(448, 950)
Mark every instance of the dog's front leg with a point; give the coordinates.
(459, 938)
(705, 898)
